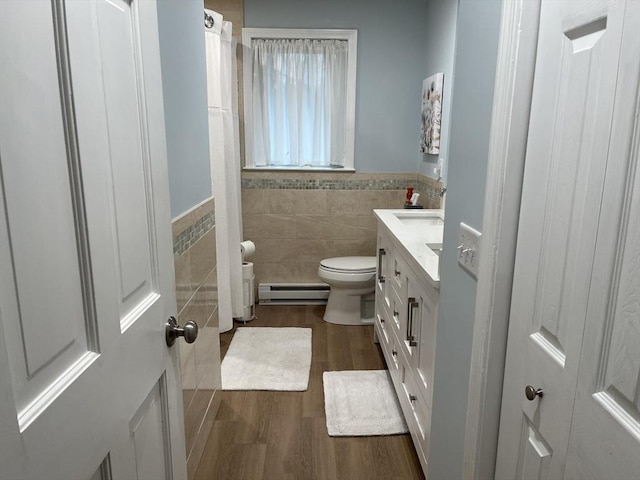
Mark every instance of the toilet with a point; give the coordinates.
(350, 278)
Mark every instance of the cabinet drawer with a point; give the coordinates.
(398, 271)
(397, 313)
(382, 330)
(387, 339)
(416, 411)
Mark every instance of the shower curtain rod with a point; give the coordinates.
(208, 20)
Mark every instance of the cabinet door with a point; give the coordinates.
(410, 327)
(416, 411)
(383, 287)
(419, 332)
(381, 323)
(425, 355)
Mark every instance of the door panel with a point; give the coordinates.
(149, 436)
(568, 148)
(85, 231)
(103, 472)
(605, 430)
(535, 454)
(129, 159)
(566, 143)
(46, 273)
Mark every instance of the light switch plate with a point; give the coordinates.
(469, 248)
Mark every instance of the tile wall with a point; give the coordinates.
(194, 248)
(297, 219)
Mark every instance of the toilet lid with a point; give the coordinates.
(350, 264)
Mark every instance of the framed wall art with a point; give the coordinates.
(431, 113)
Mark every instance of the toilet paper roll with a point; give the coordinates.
(247, 270)
(247, 248)
(248, 291)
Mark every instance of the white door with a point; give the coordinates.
(88, 387)
(574, 326)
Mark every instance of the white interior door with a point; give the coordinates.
(566, 334)
(88, 386)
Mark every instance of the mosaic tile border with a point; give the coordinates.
(185, 239)
(324, 184)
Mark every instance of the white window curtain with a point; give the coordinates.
(299, 102)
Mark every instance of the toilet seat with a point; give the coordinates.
(349, 265)
(342, 278)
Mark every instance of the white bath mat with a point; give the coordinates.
(360, 403)
(265, 358)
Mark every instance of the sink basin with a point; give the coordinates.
(435, 248)
(418, 220)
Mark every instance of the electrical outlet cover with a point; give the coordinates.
(469, 248)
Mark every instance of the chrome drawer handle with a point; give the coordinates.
(410, 308)
(381, 252)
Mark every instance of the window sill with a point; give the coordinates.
(298, 169)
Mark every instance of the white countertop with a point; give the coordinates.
(413, 238)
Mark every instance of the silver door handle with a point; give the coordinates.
(531, 393)
(173, 331)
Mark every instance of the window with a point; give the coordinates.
(299, 98)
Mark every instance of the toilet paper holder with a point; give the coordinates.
(248, 293)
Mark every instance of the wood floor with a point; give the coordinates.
(283, 435)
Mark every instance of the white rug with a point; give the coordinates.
(265, 358)
(360, 403)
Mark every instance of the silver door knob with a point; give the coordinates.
(532, 393)
(173, 331)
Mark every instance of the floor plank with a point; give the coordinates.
(283, 435)
(284, 438)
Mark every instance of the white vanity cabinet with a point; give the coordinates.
(405, 327)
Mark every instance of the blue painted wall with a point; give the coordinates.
(391, 67)
(184, 85)
(478, 28)
(439, 55)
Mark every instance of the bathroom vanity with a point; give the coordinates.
(407, 290)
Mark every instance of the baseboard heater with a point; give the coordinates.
(293, 293)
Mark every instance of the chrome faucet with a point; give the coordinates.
(443, 190)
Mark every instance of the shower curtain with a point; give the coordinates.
(224, 152)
